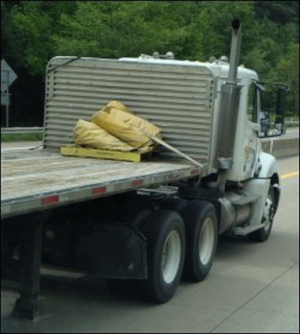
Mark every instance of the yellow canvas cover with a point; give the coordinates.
(91, 135)
(118, 120)
(117, 105)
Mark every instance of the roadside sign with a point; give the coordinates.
(5, 99)
(8, 76)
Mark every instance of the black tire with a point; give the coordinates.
(165, 235)
(174, 204)
(269, 211)
(201, 225)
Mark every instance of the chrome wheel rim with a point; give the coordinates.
(171, 255)
(206, 241)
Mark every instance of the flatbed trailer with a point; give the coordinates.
(36, 179)
(36, 183)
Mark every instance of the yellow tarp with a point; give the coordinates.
(115, 127)
(124, 125)
(91, 135)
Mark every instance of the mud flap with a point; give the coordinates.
(115, 251)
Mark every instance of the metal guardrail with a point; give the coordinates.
(23, 130)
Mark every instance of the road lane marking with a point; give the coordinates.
(288, 175)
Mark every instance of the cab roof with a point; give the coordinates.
(218, 68)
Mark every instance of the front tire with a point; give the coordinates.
(165, 233)
(268, 216)
(201, 224)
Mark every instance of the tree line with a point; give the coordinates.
(32, 32)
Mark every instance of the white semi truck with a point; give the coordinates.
(145, 224)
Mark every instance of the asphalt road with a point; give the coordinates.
(252, 288)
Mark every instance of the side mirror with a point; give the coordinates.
(270, 128)
(279, 128)
(281, 98)
(264, 121)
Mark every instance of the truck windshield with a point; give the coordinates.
(262, 109)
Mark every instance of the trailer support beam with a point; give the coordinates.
(29, 305)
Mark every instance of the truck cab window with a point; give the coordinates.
(252, 104)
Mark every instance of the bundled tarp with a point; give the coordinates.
(89, 134)
(115, 127)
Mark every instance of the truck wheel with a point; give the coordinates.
(174, 204)
(201, 225)
(165, 235)
(268, 216)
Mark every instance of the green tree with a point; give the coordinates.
(279, 12)
(32, 32)
(287, 70)
(129, 28)
(28, 34)
(214, 31)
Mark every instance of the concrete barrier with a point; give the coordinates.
(281, 147)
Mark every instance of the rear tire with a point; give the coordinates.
(201, 225)
(174, 204)
(165, 235)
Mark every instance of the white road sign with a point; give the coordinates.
(8, 76)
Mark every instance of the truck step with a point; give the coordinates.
(245, 230)
(244, 199)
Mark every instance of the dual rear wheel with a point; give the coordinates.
(178, 243)
(202, 234)
(165, 233)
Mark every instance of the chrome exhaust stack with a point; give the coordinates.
(229, 105)
(234, 51)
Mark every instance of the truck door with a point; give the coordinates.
(251, 147)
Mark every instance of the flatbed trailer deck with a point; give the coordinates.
(36, 179)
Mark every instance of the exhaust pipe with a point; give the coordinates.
(229, 106)
(235, 50)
